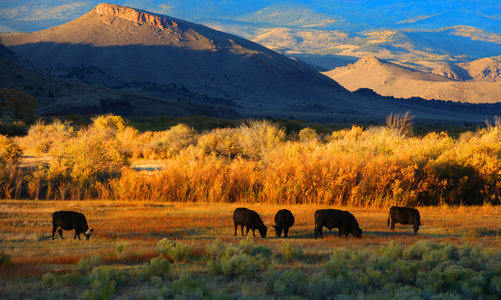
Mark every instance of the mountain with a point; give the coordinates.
(150, 59)
(423, 49)
(389, 79)
(141, 52)
(56, 96)
(421, 34)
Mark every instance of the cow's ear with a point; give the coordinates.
(92, 230)
(274, 226)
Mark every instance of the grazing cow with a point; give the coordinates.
(249, 218)
(69, 220)
(404, 215)
(284, 220)
(333, 218)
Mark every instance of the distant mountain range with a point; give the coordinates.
(33, 15)
(137, 62)
(414, 33)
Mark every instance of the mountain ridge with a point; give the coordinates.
(169, 58)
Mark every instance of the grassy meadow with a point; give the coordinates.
(149, 250)
(161, 204)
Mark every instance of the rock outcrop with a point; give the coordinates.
(134, 15)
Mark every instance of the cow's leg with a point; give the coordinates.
(242, 228)
(392, 225)
(318, 230)
(60, 231)
(253, 232)
(77, 234)
(236, 227)
(54, 229)
(286, 232)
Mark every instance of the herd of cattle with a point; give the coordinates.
(284, 219)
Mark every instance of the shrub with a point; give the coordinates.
(291, 282)
(400, 124)
(48, 280)
(188, 286)
(43, 136)
(86, 264)
(256, 138)
(73, 279)
(176, 139)
(308, 135)
(121, 249)
(9, 151)
(109, 122)
(5, 260)
(322, 287)
(157, 266)
(243, 260)
(290, 253)
(176, 251)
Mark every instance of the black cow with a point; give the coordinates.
(69, 220)
(404, 215)
(284, 220)
(249, 218)
(333, 218)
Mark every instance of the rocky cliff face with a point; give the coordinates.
(134, 15)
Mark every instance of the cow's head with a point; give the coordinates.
(278, 230)
(88, 233)
(357, 232)
(263, 230)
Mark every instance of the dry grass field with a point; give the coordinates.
(126, 235)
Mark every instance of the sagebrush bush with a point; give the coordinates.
(291, 282)
(188, 286)
(86, 264)
(48, 280)
(243, 260)
(157, 266)
(177, 252)
(423, 270)
(290, 253)
(427, 267)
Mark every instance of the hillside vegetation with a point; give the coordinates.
(255, 162)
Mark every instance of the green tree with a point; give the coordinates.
(18, 103)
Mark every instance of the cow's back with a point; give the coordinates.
(329, 218)
(405, 215)
(240, 215)
(284, 218)
(69, 220)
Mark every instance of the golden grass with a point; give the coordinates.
(26, 230)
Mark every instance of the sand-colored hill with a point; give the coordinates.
(121, 46)
(481, 70)
(389, 79)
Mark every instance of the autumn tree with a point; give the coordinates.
(16, 102)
